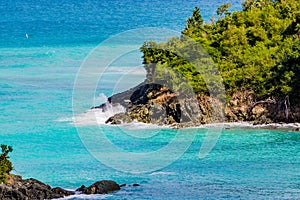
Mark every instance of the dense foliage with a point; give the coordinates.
(255, 49)
(5, 164)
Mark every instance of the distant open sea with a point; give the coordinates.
(42, 45)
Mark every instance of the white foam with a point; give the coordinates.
(97, 116)
(126, 70)
(135, 125)
(94, 116)
(250, 125)
(64, 119)
(162, 173)
(85, 196)
(100, 99)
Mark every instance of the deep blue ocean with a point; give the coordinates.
(43, 44)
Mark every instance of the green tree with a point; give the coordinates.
(194, 24)
(5, 163)
(223, 10)
(255, 49)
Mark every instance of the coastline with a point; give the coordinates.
(290, 127)
(17, 188)
(253, 158)
(248, 125)
(156, 104)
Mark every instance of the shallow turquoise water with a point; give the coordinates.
(36, 84)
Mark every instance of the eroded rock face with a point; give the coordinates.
(154, 103)
(237, 107)
(243, 106)
(29, 189)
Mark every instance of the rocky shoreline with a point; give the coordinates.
(156, 104)
(18, 189)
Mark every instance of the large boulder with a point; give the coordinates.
(100, 187)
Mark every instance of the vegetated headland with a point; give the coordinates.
(242, 66)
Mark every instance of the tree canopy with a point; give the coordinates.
(257, 49)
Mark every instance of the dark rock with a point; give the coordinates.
(157, 104)
(60, 191)
(123, 185)
(262, 120)
(154, 103)
(119, 119)
(135, 185)
(30, 189)
(135, 95)
(9, 193)
(100, 187)
(103, 107)
(19, 189)
(81, 189)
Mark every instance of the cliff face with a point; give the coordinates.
(243, 106)
(154, 103)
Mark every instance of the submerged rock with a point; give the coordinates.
(123, 185)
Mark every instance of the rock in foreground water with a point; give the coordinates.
(19, 189)
(100, 187)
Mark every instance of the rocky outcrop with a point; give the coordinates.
(100, 187)
(28, 189)
(18, 189)
(243, 106)
(154, 103)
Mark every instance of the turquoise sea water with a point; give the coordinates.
(36, 85)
